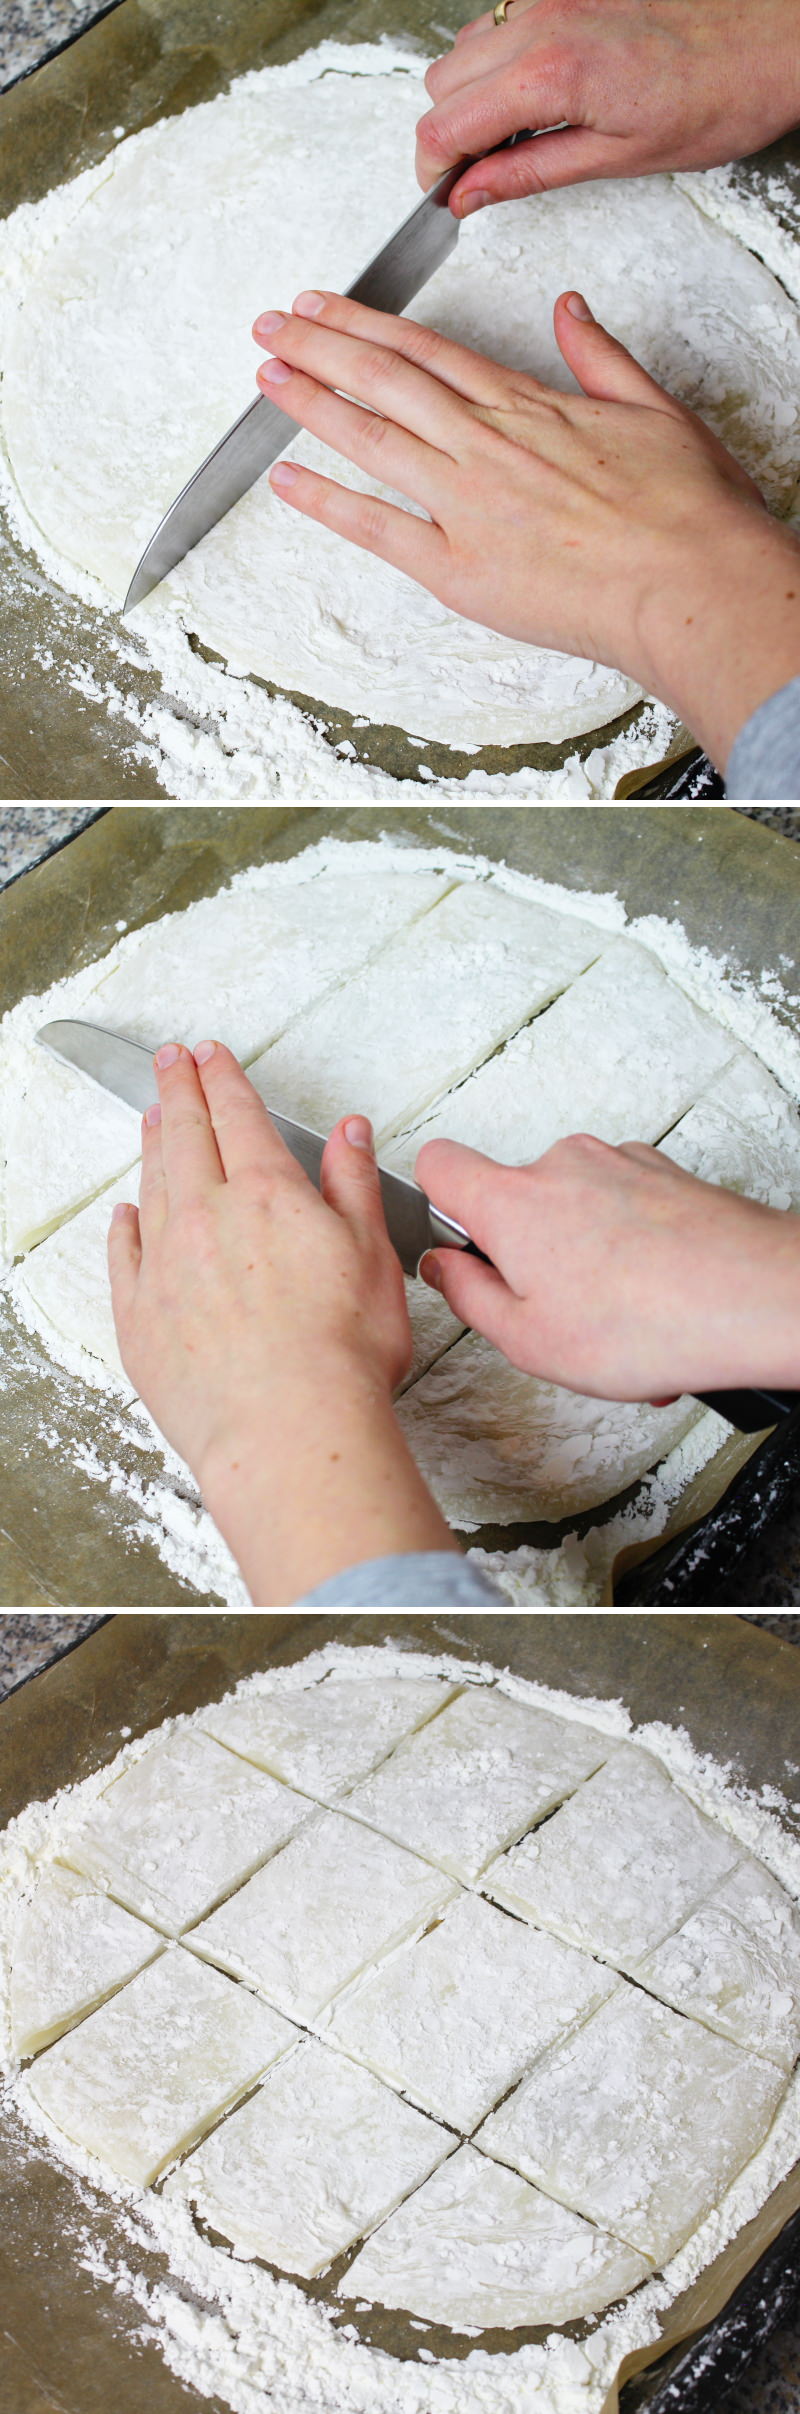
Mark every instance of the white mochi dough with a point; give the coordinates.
(63, 1293)
(745, 1133)
(295, 178)
(71, 1949)
(183, 1826)
(639, 2121)
(621, 1054)
(237, 967)
(440, 998)
(326, 1737)
(475, 1779)
(456, 2017)
(497, 1446)
(144, 2076)
(314, 2160)
(335, 1899)
(620, 1865)
(736, 1965)
(478, 2248)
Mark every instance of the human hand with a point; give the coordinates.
(615, 1272)
(265, 1326)
(626, 91)
(621, 529)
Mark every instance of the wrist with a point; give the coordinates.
(721, 631)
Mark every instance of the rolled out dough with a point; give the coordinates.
(72, 1948)
(323, 1739)
(524, 1761)
(736, 1965)
(156, 266)
(478, 2247)
(184, 1825)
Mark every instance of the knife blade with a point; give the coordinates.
(413, 252)
(126, 1068)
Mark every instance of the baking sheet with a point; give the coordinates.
(72, 2346)
(66, 1541)
(149, 59)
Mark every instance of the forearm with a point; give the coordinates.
(728, 636)
(323, 1482)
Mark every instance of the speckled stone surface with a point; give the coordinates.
(772, 2383)
(28, 832)
(30, 30)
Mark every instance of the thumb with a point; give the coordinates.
(558, 156)
(349, 1178)
(602, 366)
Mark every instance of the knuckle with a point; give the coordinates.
(372, 523)
(434, 135)
(373, 434)
(421, 345)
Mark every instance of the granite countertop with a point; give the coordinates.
(772, 2381)
(31, 30)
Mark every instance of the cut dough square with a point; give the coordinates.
(736, 1965)
(63, 1140)
(323, 1737)
(148, 2073)
(640, 2121)
(486, 1768)
(478, 2247)
(320, 2154)
(333, 1900)
(498, 1447)
(622, 1054)
(744, 1133)
(619, 1866)
(62, 1290)
(180, 1828)
(72, 1948)
(455, 2018)
(439, 999)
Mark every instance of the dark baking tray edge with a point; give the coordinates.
(688, 1571)
(693, 2379)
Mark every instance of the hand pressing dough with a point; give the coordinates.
(620, 1865)
(640, 2121)
(735, 1965)
(467, 1785)
(315, 2159)
(142, 2078)
(456, 2017)
(478, 2248)
(324, 1737)
(498, 1447)
(439, 999)
(163, 260)
(71, 1950)
(337, 1898)
(183, 1826)
(237, 966)
(745, 1133)
(622, 1054)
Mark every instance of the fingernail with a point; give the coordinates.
(204, 1049)
(270, 322)
(577, 307)
(167, 1056)
(308, 305)
(152, 1116)
(283, 474)
(431, 1271)
(472, 201)
(358, 1131)
(119, 1211)
(274, 373)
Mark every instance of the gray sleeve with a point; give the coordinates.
(765, 760)
(407, 1580)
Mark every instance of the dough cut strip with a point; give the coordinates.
(324, 1737)
(476, 1778)
(181, 1827)
(72, 1949)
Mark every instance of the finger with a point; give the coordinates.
(423, 361)
(476, 1293)
(350, 1181)
(124, 1262)
(566, 155)
(152, 1181)
(480, 49)
(465, 1185)
(375, 444)
(189, 1150)
(412, 545)
(603, 367)
(491, 106)
(244, 1138)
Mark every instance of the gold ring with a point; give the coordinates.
(500, 12)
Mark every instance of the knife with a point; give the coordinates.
(126, 1068)
(413, 252)
(413, 1223)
